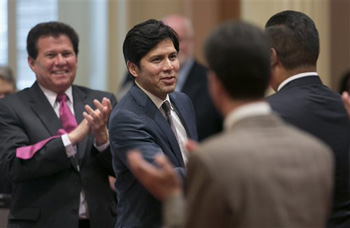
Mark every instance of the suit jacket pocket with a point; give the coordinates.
(29, 214)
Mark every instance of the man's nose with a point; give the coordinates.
(168, 64)
(60, 59)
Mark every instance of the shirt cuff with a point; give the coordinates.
(68, 145)
(102, 147)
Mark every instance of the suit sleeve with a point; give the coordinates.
(130, 132)
(18, 129)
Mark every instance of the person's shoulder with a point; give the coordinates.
(199, 66)
(179, 96)
(21, 96)
(98, 94)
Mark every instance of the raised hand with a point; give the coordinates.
(97, 119)
(346, 101)
(161, 182)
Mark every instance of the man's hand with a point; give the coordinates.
(161, 182)
(97, 119)
(346, 101)
(79, 133)
(191, 145)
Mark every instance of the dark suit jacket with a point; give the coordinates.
(136, 123)
(309, 105)
(208, 120)
(46, 188)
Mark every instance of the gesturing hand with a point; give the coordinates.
(97, 119)
(161, 182)
(346, 101)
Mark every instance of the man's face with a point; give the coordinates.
(56, 63)
(6, 88)
(158, 69)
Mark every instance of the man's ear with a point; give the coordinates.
(273, 57)
(31, 63)
(133, 69)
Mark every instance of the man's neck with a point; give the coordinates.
(282, 74)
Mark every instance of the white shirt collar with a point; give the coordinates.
(51, 96)
(244, 111)
(156, 100)
(301, 75)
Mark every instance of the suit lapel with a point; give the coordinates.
(80, 99)
(152, 111)
(43, 109)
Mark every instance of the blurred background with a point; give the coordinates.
(102, 26)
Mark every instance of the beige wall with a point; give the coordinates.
(340, 40)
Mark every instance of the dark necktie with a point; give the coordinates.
(166, 107)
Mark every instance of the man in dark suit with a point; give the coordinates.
(140, 121)
(301, 98)
(192, 79)
(260, 171)
(63, 182)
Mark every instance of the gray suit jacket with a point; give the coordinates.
(46, 188)
(260, 173)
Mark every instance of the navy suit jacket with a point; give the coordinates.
(46, 188)
(136, 123)
(309, 105)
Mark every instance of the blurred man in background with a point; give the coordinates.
(7, 81)
(7, 87)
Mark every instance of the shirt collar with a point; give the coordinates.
(156, 100)
(52, 96)
(247, 110)
(301, 75)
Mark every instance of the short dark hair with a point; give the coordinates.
(52, 28)
(238, 53)
(295, 38)
(145, 36)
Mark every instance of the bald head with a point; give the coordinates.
(184, 29)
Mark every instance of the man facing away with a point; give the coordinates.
(302, 100)
(151, 117)
(260, 172)
(56, 154)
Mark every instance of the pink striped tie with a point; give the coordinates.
(67, 119)
(68, 122)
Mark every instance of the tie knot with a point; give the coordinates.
(166, 107)
(62, 97)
